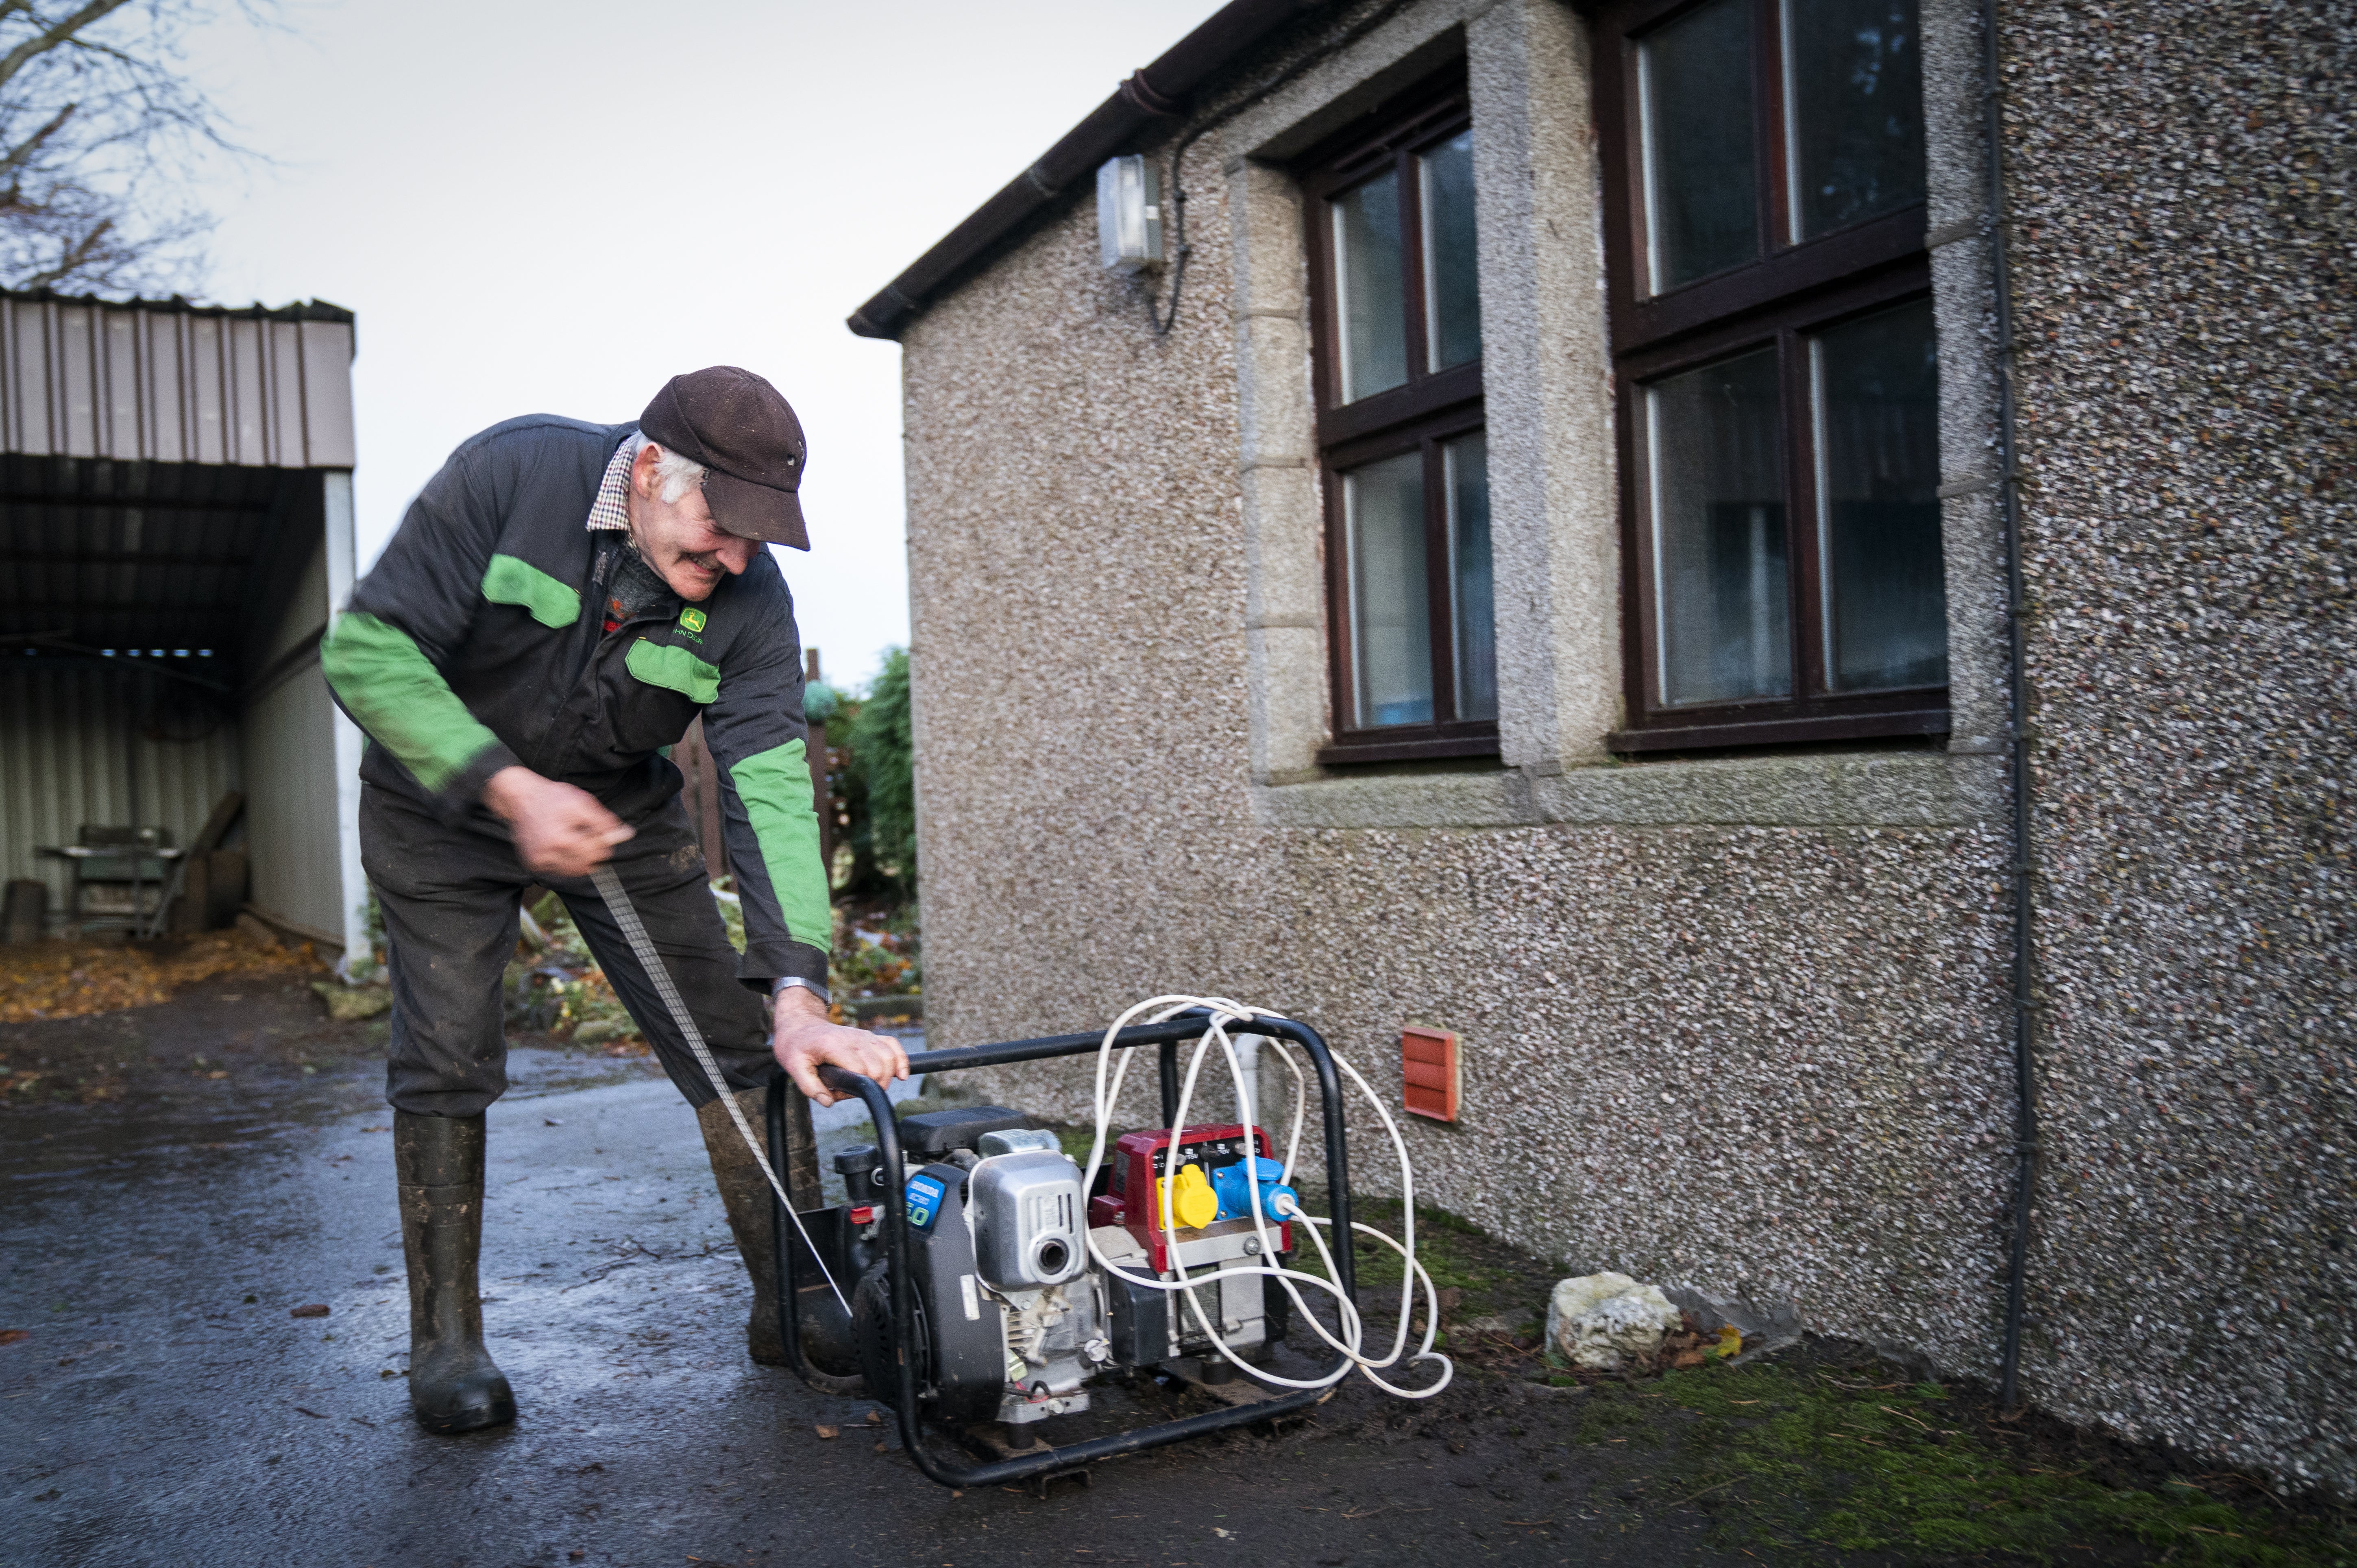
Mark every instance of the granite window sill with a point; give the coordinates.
(1912, 790)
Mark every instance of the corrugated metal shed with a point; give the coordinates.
(84, 743)
(176, 526)
(172, 383)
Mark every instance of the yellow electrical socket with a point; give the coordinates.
(1194, 1204)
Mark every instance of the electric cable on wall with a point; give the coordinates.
(1161, 324)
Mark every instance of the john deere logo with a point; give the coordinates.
(691, 622)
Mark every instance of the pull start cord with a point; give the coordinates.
(625, 914)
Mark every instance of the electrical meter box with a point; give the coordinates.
(1129, 214)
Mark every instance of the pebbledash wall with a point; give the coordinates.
(1740, 1022)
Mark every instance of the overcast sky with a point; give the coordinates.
(543, 206)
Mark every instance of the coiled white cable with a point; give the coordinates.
(1350, 1342)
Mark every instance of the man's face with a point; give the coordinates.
(678, 538)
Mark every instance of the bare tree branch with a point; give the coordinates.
(101, 133)
(24, 150)
(77, 255)
(51, 37)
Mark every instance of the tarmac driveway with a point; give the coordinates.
(164, 1407)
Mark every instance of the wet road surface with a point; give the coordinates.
(163, 1406)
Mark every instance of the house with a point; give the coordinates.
(1528, 521)
(175, 522)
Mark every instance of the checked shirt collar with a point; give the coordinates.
(612, 507)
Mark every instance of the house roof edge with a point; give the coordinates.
(1158, 93)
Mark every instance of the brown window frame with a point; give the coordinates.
(1431, 407)
(1793, 291)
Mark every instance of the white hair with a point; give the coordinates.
(677, 475)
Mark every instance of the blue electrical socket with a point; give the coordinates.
(1235, 1199)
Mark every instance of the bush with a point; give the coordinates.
(883, 755)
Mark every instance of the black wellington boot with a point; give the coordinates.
(746, 1193)
(453, 1384)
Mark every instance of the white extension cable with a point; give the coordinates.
(1223, 1012)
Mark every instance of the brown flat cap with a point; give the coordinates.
(745, 432)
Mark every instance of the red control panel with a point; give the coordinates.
(1136, 1160)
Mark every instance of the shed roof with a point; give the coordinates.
(174, 382)
(159, 465)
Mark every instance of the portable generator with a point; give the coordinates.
(975, 1274)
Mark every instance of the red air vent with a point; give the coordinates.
(1428, 1064)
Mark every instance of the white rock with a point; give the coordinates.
(1598, 1321)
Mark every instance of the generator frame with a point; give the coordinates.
(1168, 1036)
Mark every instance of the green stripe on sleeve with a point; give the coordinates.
(775, 786)
(659, 665)
(510, 581)
(402, 700)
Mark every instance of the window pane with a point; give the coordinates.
(1879, 479)
(1371, 300)
(1391, 615)
(1452, 304)
(1717, 473)
(1465, 462)
(1856, 119)
(1701, 184)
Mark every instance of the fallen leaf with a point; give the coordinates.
(830, 1432)
(882, 1448)
(1686, 1358)
(67, 980)
(1730, 1341)
(315, 1309)
(10, 1336)
(875, 1418)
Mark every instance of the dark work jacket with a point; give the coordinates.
(478, 641)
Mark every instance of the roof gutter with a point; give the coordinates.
(1151, 96)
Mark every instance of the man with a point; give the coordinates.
(561, 601)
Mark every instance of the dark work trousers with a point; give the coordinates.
(449, 892)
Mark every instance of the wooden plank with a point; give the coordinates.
(217, 826)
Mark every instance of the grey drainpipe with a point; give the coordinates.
(2008, 490)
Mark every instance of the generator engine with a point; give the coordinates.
(1014, 1316)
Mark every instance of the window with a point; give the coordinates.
(1773, 344)
(1390, 210)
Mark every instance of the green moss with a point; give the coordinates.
(1610, 1415)
(1490, 1277)
(1797, 1456)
